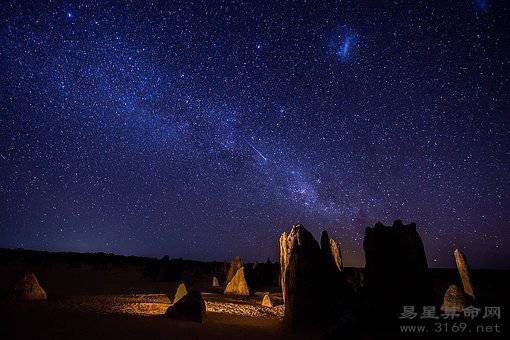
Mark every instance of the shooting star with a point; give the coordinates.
(257, 151)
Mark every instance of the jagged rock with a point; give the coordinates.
(283, 261)
(238, 284)
(215, 282)
(395, 271)
(180, 293)
(266, 301)
(234, 266)
(27, 289)
(465, 275)
(454, 297)
(302, 277)
(191, 307)
(331, 253)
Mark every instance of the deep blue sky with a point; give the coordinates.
(205, 130)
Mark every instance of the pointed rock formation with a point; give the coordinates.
(302, 277)
(28, 289)
(238, 284)
(215, 282)
(266, 301)
(395, 271)
(180, 293)
(234, 266)
(454, 297)
(465, 275)
(283, 261)
(191, 307)
(331, 253)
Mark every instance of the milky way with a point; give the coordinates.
(205, 130)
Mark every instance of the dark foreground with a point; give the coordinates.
(110, 299)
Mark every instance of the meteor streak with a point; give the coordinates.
(257, 151)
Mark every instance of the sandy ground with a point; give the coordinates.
(86, 303)
(155, 304)
(138, 316)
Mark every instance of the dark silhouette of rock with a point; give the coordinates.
(302, 276)
(181, 292)
(234, 266)
(191, 307)
(238, 284)
(215, 282)
(395, 271)
(331, 253)
(27, 289)
(454, 298)
(262, 275)
(266, 301)
(464, 272)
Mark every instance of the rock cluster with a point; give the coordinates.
(238, 284)
(395, 271)
(455, 297)
(191, 307)
(263, 274)
(309, 292)
(27, 289)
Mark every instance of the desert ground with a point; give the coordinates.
(87, 301)
(91, 296)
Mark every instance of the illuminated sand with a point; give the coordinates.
(119, 303)
(157, 304)
(138, 316)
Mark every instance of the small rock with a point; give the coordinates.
(181, 292)
(28, 289)
(191, 307)
(454, 298)
(266, 301)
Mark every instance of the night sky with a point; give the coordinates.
(205, 130)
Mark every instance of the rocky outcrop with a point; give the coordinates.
(191, 307)
(266, 301)
(180, 293)
(395, 270)
(238, 284)
(234, 267)
(302, 276)
(215, 282)
(454, 298)
(331, 253)
(464, 272)
(27, 289)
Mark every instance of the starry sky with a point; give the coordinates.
(204, 130)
